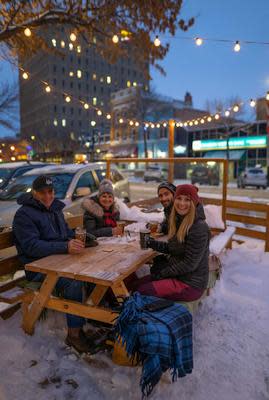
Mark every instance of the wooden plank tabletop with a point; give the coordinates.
(105, 264)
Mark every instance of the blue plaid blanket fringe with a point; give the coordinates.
(161, 340)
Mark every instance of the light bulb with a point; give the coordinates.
(115, 39)
(157, 41)
(48, 89)
(252, 103)
(146, 125)
(164, 124)
(158, 126)
(99, 112)
(25, 75)
(27, 32)
(73, 37)
(217, 116)
(131, 123)
(93, 123)
(235, 108)
(202, 121)
(86, 106)
(68, 99)
(108, 116)
(121, 120)
(198, 41)
(209, 119)
(152, 126)
(227, 113)
(137, 124)
(237, 46)
(196, 122)
(190, 123)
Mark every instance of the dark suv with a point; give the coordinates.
(205, 176)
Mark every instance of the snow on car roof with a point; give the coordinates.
(64, 168)
(19, 164)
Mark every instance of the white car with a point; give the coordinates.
(153, 173)
(72, 183)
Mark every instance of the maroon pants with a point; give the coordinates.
(169, 288)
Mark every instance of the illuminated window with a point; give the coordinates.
(108, 79)
(79, 49)
(94, 40)
(94, 77)
(71, 46)
(134, 84)
(54, 43)
(128, 83)
(101, 79)
(55, 122)
(79, 73)
(62, 44)
(63, 122)
(71, 73)
(94, 101)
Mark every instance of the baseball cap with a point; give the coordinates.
(42, 182)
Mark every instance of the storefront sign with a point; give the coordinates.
(247, 142)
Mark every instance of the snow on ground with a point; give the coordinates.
(231, 348)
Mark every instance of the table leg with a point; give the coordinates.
(96, 295)
(32, 313)
(120, 290)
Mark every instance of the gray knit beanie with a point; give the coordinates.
(106, 187)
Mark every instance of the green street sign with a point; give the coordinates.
(247, 142)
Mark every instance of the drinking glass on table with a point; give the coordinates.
(80, 234)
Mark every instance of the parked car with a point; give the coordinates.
(205, 175)
(252, 177)
(72, 183)
(12, 170)
(153, 173)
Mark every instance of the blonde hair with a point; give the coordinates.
(185, 225)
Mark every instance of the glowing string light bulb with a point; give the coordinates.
(25, 75)
(73, 37)
(99, 112)
(209, 119)
(131, 123)
(235, 108)
(86, 106)
(237, 46)
(137, 124)
(157, 41)
(115, 39)
(68, 99)
(108, 116)
(121, 120)
(227, 113)
(48, 89)
(164, 124)
(27, 32)
(217, 116)
(198, 41)
(252, 103)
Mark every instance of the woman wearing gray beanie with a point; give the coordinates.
(101, 213)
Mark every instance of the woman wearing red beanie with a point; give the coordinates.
(181, 272)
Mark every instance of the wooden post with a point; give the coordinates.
(171, 139)
(267, 230)
(224, 190)
(108, 164)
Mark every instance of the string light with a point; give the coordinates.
(164, 124)
(267, 96)
(158, 126)
(185, 123)
(227, 113)
(217, 116)
(198, 41)
(137, 124)
(25, 75)
(237, 46)
(131, 123)
(196, 122)
(115, 39)
(252, 103)
(108, 116)
(27, 32)
(146, 125)
(48, 89)
(121, 121)
(152, 126)
(177, 124)
(86, 106)
(157, 41)
(209, 119)
(73, 37)
(202, 121)
(93, 123)
(235, 108)
(99, 112)
(68, 99)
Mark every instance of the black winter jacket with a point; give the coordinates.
(93, 219)
(38, 231)
(164, 225)
(187, 261)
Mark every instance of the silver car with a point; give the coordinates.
(72, 183)
(252, 177)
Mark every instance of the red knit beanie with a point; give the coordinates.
(188, 190)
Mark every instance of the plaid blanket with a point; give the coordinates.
(161, 339)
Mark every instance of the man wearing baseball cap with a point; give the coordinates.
(166, 192)
(40, 230)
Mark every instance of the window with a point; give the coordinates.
(79, 86)
(94, 101)
(79, 111)
(63, 84)
(63, 110)
(71, 73)
(79, 49)
(79, 73)
(63, 122)
(94, 77)
(87, 180)
(128, 83)
(55, 108)
(101, 79)
(55, 122)
(72, 110)
(108, 79)
(54, 43)
(71, 85)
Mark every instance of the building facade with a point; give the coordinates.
(76, 75)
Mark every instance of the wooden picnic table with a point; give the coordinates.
(106, 265)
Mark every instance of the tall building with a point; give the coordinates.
(75, 109)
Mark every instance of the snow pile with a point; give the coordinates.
(231, 348)
(213, 216)
(135, 214)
